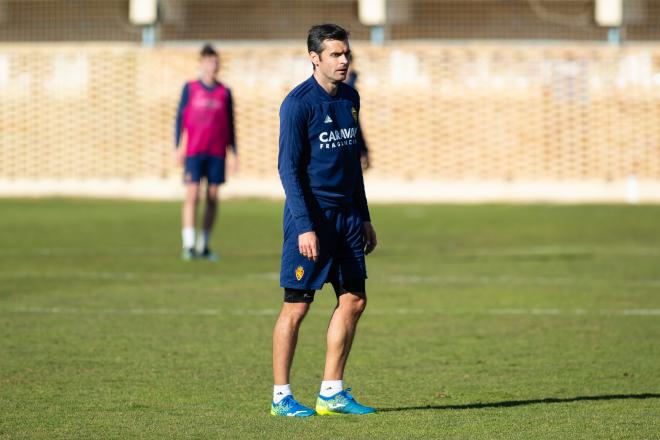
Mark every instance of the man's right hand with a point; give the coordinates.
(308, 245)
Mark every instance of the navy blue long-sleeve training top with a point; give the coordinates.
(319, 155)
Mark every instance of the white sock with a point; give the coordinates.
(204, 239)
(188, 237)
(280, 392)
(331, 387)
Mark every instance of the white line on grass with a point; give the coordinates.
(272, 312)
(557, 250)
(396, 279)
(514, 280)
(132, 276)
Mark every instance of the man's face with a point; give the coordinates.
(333, 61)
(209, 65)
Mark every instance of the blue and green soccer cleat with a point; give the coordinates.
(188, 254)
(208, 254)
(341, 403)
(291, 408)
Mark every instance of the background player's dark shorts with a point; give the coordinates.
(341, 237)
(204, 166)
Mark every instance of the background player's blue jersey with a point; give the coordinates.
(319, 156)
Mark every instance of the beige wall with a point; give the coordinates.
(431, 112)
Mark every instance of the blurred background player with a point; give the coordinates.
(206, 115)
(351, 80)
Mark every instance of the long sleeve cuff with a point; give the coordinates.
(303, 224)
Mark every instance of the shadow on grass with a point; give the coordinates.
(511, 403)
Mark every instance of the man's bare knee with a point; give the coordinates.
(294, 313)
(354, 303)
(212, 194)
(192, 194)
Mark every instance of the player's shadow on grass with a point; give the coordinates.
(512, 403)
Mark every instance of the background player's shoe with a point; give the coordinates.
(341, 403)
(188, 254)
(291, 408)
(208, 254)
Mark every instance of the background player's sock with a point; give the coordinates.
(188, 237)
(204, 239)
(331, 387)
(280, 392)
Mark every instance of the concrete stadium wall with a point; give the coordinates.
(443, 122)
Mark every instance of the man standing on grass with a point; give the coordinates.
(327, 228)
(206, 115)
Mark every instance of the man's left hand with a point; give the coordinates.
(233, 163)
(364, 161)
(370, 240)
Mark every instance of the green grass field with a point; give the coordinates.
(496, 321)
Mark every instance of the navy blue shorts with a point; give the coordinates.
(341, 260)
(203, 166)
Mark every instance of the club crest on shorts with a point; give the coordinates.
(300, 272)
(354, 113)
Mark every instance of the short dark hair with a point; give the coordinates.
(319, 33)
(208, 51)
